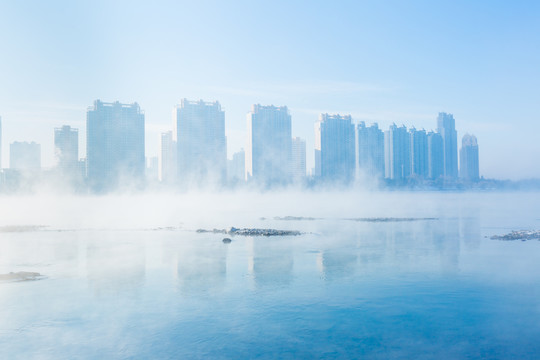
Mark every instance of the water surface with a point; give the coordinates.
(124, 283)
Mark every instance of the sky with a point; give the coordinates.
(380, 61)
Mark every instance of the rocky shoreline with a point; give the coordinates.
(294, 218)
(252, 232)
(21, 276)
(391, 219)
(364, 219)
(522, 235)
(21, 228)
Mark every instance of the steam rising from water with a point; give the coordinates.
(355, 287)
(243, 208)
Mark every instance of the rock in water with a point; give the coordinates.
(251, 232)
(21, 276)
(226, 240)
(522, 235)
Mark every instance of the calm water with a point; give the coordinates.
(423, 289)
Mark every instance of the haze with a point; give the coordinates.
(379, 61)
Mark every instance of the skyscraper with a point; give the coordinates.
(334, 140)
(25, 156)
(152, 169)
(201, 143)
(0, 144)
(268, 154)
(435, 155)
(114, 145)
(66, 149)
(419, 153)
(168, 158)
(298, 158)
(468, 158)
(236, 167)
(370, 149)
(446, 126)
(397, 149)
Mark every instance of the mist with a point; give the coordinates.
(352, 179)
(131, 268)
(241, 208)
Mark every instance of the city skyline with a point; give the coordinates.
(345, 151)
(310, 166)
(269, 179)
(477, 61)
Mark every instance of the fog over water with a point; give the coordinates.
(127, 276)
(245, 208)
(126, 233)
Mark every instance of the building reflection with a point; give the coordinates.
(270, 263)
(470, 232)
(336, 264)
(115, 263)
(54, 255)
(401, 246)
(201, 266)
(446, 242)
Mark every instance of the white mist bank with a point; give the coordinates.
(225, 209)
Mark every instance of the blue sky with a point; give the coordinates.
(381, 61)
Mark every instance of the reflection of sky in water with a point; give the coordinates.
(114, 269)
(201, 268)
(270, 263)
(424, 289)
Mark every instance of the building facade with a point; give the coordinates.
(269, 147)
(468, 158)
(435, 155)
(201, 143)
(168, 158)
(397, 147)
(370, 149)
(0, 144)
(236, 167)
(25, 156)
(335, 147)
(152, 169)
(66, 149)
(298, 159)
(114, 145)
(446, 126)
(419, 154)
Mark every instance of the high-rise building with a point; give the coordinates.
(435, 155)
(0, 143)
(268, 154)
(168, 158)
(334, 140)
(236, 171)
(201, 143)
(397, 153)
(419, 153)
(66, 149)
(298, 158)
(25, 156)
(446, 126)
(152, 169)
(316, 171)
(468, 158)
(370, 149)
(114, 145)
